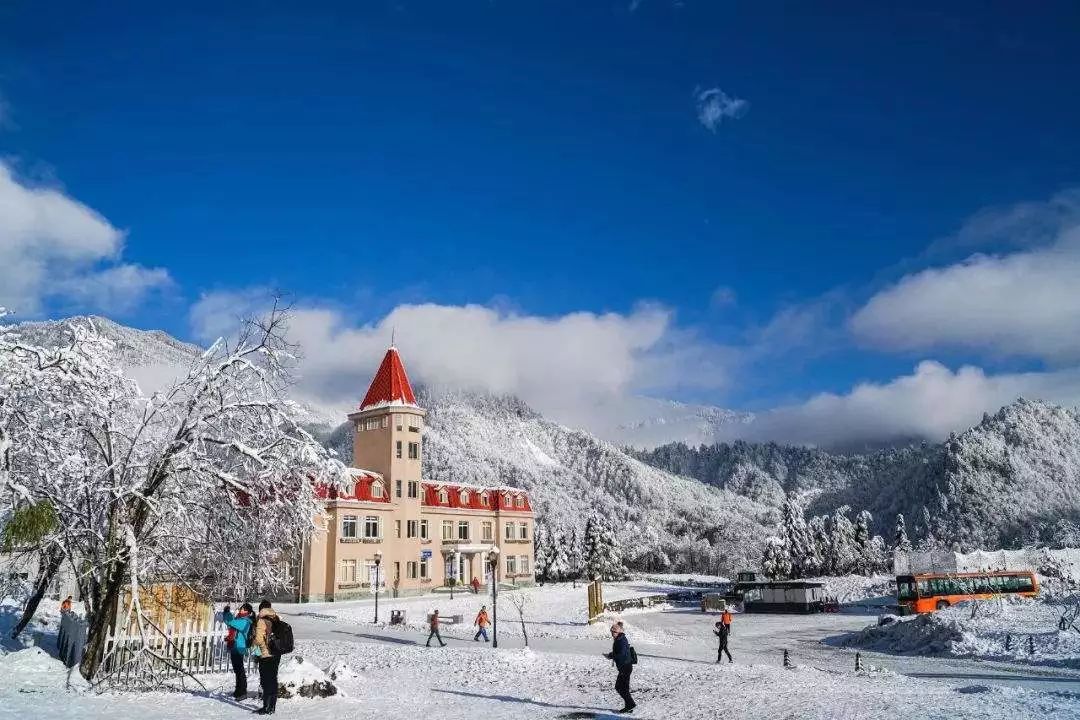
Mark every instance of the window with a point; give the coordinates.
(373, 572)
(371, 424)
(410, 528)
(414, 489)
(464, 497)
(397, 487)
(397, 449)
(348, 490)
(523, 531)
(519, 501)
(376, 490)
(386, 421)
(348, 526)
(444, 497)
(414, 428)
(486, 531)
(347, 571)
(410, 569)
(485, 500)
(525, 564)
(506, 500)
(423, 568)
(447, 529)
(463, 530)
(511, 564)
(414, 451)
(423, 530)
(397, 422)
(509, 531)
(371, 527)
(397, 528)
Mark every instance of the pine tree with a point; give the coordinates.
(775, 563)
(574, 556)
(796, 537)
(842, 554)
(603, 556)
(929, 543)
(877, 556)
(559, 565)
(819, 546)
(900, 539)
(542, 552)
(864, 562)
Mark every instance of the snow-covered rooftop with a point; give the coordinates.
(390, 387)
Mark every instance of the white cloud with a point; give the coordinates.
(52, 246)
(1020, 304)
(929, 403)
(562, 365)
(713, 105)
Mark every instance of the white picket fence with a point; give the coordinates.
(193, 648)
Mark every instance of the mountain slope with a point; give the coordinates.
(1012, 479)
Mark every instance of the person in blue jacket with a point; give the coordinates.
(236, 641)
(623, 658)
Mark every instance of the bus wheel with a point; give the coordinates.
(942, 604)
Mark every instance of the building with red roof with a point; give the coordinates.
(414, 535)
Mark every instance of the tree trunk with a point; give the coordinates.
(523, 633)
(48, 563)
(101, 621)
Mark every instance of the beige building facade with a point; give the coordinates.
(424, 535)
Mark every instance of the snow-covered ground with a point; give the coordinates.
(387, 672)
(1014, 629)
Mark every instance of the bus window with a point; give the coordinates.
(905, 589)
(925, 589)
(1024, 584)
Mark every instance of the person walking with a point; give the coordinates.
(236, 641)
(475, 585)
(433, 626)
(66, 605)
(624, 657)
(268, 661)
(482, 623)
(722, 632)
(725, 617)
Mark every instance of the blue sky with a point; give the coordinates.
(548, 158)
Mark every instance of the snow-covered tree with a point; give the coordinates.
(864, 560)
(818, 561)
(558, 561)
(929, 541)
(796, 537)
(877, 556)
(775, 563)
(209, 483)
(603, 557)
(575, 559)
(542, 553)
(842, 556)
(900, 536)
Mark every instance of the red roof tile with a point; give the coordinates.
(390, 385)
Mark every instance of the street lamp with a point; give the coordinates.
(493, 560)
(378, 561)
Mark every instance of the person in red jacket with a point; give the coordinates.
(475, 585)
(433, 626)
(66, 605)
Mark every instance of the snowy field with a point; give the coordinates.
(387, 672)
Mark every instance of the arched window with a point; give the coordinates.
(484, 499)
(464, 497)
(376, 489)
(348, 490)
(444, 497)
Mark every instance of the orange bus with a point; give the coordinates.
(933, 591)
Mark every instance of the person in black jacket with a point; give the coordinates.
(722, 631)
(624, 663)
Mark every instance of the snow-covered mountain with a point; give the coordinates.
(1013, 479)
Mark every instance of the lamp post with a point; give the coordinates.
(378, 561)
(493, 560)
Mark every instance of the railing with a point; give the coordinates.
(191, 649)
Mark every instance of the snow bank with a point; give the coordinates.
(298, 676)
(1013, 629)
(33, 670)
(859, 589)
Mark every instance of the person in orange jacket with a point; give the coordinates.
(66, 605)
(482, 623)
(725, 618)
(475, 585)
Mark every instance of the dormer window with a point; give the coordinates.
(506, 499)
(485, 500)
(519, 501)
(376, 490)
(444, 497)
(464, 497)
(348, 490)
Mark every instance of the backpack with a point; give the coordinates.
(280, 640)
(633, 655)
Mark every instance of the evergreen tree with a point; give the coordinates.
(542, 552)
(574, 556)
(775, 563)
(559, 558)
(796, 537)
(878, 556)
(603, 556)
(900, 539)
(929, 543)
(842, 553)
(864, 562)
(820, 548)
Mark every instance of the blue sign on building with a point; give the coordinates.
(425, 554)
